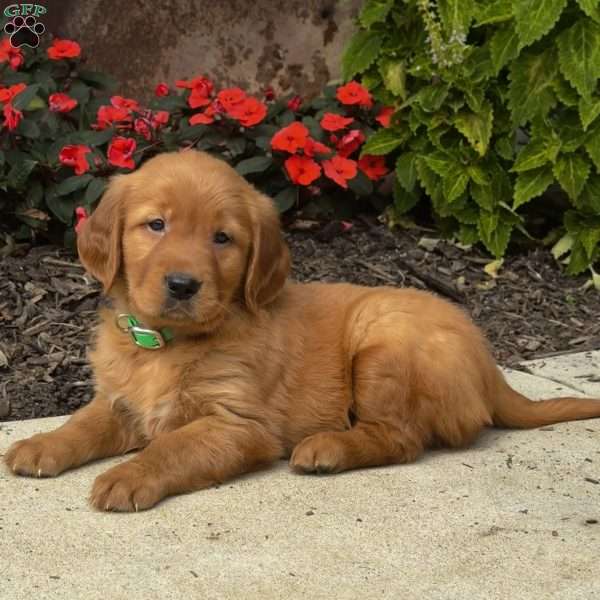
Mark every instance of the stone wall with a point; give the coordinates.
(292, 45)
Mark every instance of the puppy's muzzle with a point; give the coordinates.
(181, 286)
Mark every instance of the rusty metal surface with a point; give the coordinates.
(293, 45)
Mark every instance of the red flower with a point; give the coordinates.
(109, 115)
(201, 90)
(290, 138)
(294, 103)
(250, 112)
(350, 142)
(63, 49)
(125, 103)
(162, 89)
(312, 147)
(74, 156)
(354, 93)
(120, 152)
(230, 97)
(142, 128)
(80, 218)
(9, 54)
(7, 94)
(384, 117)
(269, 94)
(12, 116)
(334, 122)
(302, 169)
(340, 170)
(159, 118)
(204, 118)
(373, 166)
(61, 102)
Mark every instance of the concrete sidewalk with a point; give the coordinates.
(514, 517)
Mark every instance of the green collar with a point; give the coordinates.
(150, 339)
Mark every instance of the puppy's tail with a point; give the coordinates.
(512, 409)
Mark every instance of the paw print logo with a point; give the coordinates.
(24, 31)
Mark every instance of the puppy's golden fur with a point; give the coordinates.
(335, 376)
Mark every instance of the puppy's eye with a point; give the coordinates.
(156, 225)
(221, 238)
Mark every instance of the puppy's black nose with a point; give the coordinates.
(181, 286)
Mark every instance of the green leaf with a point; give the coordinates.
(94, 138)
(80, 91)
(590, 196)
(535, 154)
(531, 79)
(591, 8)
(476, 127)
(578, 261)
(98, 80)
(495, 11)
(478, 175)
(569, 131)
(71, 184)
(565, 93)
(572, 171)
(361, 185)
(375, 11)
(494, 232)
(360, 53)
(531, 184)
(505, 147)
(563, 246)
(406, 170)
(455, 184)
(62, 207)
(19, 174)
(590, 238)
(483, 195)
(287, 198)
(236, 145)
(504, 46)
(404, 200)
(256, 164)
(455, 15)
(430, 181)
(579, 55)
(22, 99)
(394, 77)
(441, 163)
(28, 128)
(535, 18)
(592, 147)
(382, 142)
(36, 104)
(589, 109)
(94, 191)
(432, 97)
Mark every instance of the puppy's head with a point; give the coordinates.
(182, 239)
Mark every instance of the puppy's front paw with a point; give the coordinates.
(126, 487)
(43, 455)
(319, 453)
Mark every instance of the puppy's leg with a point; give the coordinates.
(384, 431)
(95, 431)
(365, 445)
(198, 455)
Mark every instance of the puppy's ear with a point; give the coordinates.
(269, 262)
(99, 238)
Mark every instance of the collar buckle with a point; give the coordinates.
(149, 339)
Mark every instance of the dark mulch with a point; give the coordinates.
(48, 304)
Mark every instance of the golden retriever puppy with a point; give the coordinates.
(213, 365)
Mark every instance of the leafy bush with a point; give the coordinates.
(64, 134)
(496, 104)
